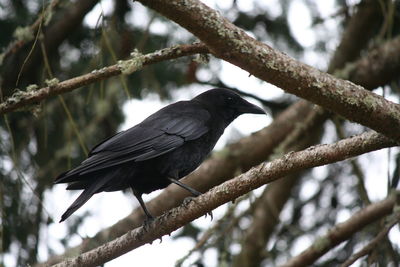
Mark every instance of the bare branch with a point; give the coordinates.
(359, 30)
(232, 44)
(232, 189)
(364, 71)
(374, 242)
(343, 231)
(21, 99)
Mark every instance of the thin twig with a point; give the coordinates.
(17, 44)
(62, 101)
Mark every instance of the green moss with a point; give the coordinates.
(394, 112)
(131, 65)
(370, 101)
(23, 34)
(178, 51)
(17, 96)
(32, 87)
(52, 82)
(36, 110)
(352, 101)
(271, 65)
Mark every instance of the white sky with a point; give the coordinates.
(103, 206)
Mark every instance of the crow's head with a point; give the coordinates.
(227, 103)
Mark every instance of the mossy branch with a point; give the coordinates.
(229, 191)
(232, 44)
(23, 35)
(343, 231)
(23, 98)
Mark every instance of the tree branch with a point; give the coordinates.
(19, 42)
(344, 231)
(248, 152)
(364, 71)
(232, 44)
(24, 98)
(53, 36)
(359, 30)
(374, 242)
(230, 190)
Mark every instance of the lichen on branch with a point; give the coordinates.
(23, 98)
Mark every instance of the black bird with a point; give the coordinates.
(160, 150)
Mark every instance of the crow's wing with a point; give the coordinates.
(160, 133)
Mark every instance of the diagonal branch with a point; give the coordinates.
(232, 44)
(360, 28)
(22, 99)
(374, 242)
(364, 71)
(230, 190)
(344, 231)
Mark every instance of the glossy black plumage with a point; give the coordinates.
(163, 148)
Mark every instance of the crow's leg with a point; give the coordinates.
(188, 188)
(139, 198)
(191, 190)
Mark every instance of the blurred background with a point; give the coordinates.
(41, 40)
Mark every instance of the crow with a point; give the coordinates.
(160, 150)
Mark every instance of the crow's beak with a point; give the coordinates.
(247, 107)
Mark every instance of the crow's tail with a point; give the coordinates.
(92, 189)
(86, 194)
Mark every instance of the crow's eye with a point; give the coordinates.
(229, 101)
